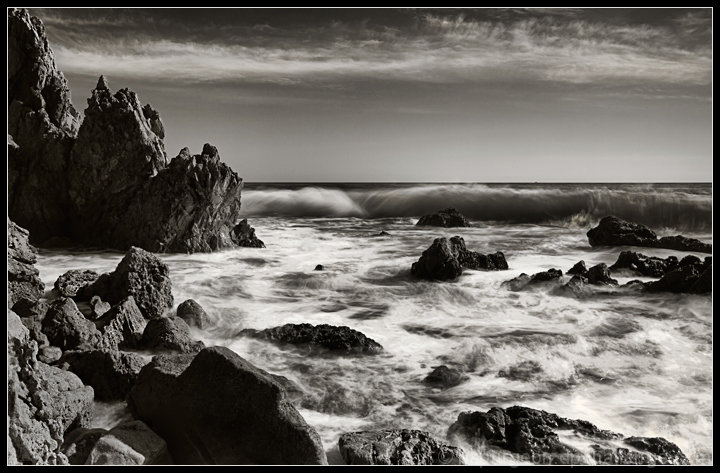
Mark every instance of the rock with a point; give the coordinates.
(664, 452)
(98, 308)
(243, 234)
(111, 373)
(153, 117)
(43, 401)
(533, 434)
(445, 260)
(549, 275)
(600, 275)
(688, 278)
(319, 267)
(78, 444)
(49, 354)
(517, 283)
(170, 333)
(612, 231)
(121, 327)
(579, 268)
(193, 314)
(198, 412)
(645, 265)
(397, 447)
(69, 283)
(382, 234)
(339, 339)
(43, 123)
(445, 377)
(66, 327)
(444, 218)
(575, 287)
(523, 280)
(523, 371)
(130, 443)
(24, 284)
(32, 315)
(139, 274)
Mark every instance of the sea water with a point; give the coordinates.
(638, 364)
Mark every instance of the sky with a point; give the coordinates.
(412, 95)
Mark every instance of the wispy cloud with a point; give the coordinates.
(557, 47)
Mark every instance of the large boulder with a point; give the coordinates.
(121, 327)
(613, 231)
(446, 258)
(338, 339)
(111, 373)
(66, 327)
(130, 443)
(600, 275)
(645, 265)
(222, 410)
(170, 333)
(139, 274)
(69, 283)
(193, 314)
(43, 401)
(24, 284)
(397, 447)
(444, 218)
(533, 434)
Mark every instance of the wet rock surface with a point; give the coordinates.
(243, 234)
(444, 218)
(613, 231)
(338, 339)
(170, 333)
(445, 377)
(446, 258)
(397, 447)
(645, 265)
(193, 314)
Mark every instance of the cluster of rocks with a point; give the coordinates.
(106, 181)
(613, 231)
(446, 258)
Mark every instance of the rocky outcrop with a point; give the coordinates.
(600, 275)
(68, 284)
(130, 443)
(446, 258)
(522, 281)
(338, 339)
(170, 333)
(692, 276)
(24, 284)
(111, 373)
(397, 447)
(445, 377)
(193, 314)
(243, 234)
(651, 266)
(139, 274)
(43, 401)
(612, 231)
(532, 434)
(197, 408)
(107, 182)
(579, 268)
(444, 218)
(121, 326)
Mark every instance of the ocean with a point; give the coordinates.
(639, 364)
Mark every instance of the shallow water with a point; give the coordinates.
(635, 364)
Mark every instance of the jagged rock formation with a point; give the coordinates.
(613, 231)
(445, 260)
(397, 447)
(107, 182)
(24, 284)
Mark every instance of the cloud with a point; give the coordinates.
(558, 48)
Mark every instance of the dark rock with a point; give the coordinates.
(43, 401)
(140, 274)
(523, 371)
(575, 287)
(445, 377)
(198, 410)
(666, 452)
(69, 283)
(32, 315)
(78, 444)
(688, 278)
(690, 260)
(612, 231)
(334, 338)
(24, 284)
(193, 314)
(600, 274)
(533, 434)
(121, 327)
(544, 276)
(382, 234)
(243, 234)
(170, 333)
(517, 283)
(49, 354)
(111, 373)
(397, 447)
(646, 265)
(66, 327)
(153, 117)
(579, 268)
(444, 218)
(523, 280)
(98, 308)
(445, 260)
(130, 443)
(319, 267)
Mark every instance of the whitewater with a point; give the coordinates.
(640, 364)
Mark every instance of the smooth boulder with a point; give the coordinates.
(170, 333)
(397, 447)
(193, 314)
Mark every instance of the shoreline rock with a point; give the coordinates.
(449, 217)
(397, 447)
(445, 259)
(613, 231)
(338, 339)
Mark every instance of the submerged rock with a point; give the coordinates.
(444, 218)
(197, 409)
(520, 282)
(532, 434)
(523, 371)
(319, 267)
(646, 265)
(613, 231)
(397, 447)
(446, 258)
(600, 275)
(193, 314)
(340, 339)
(170, 333)
(24, 284)
(445, 377)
